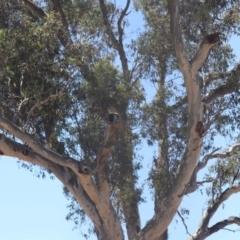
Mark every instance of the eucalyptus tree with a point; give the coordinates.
(70, 110)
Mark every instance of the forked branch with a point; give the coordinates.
(222, 224)
(203, 230)
(208, 42)
(117, 43)
(193, 184)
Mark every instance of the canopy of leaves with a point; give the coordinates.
(63, 69)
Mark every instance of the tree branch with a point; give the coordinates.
(102, 159)
(167, 209)
(120, 20)
(38, 147)
(193, 184)
(36, 10)
(11, 148)
(232, 84)
(173, 6)
(59, 9)
(75, 188)
(38, 104)
(85, 179)
(190, 75)
(105, 210)
(63, 38)
(203, 230)
(183, 221)
(220, 91)
(215, 228)
(208, 42)
(220, 225)
(118, 44)
(208, 79)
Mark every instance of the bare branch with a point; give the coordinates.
(38, 147)
(212, 210)
(190, 76)
(208, 42)
(215, 117)
(83, 199)
(173, 6)
(86, 179)
(220, 225)
(222, 155)
(22, 103)
(216, 76)
(120, 20)
(183, 221)
(193, 184)
(107, 24)
(205, 181)
(203, 231)
(215, 228)
(11, 148)
(34, 8)
(75, 188)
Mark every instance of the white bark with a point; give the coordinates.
(158, 224)
(105, 217)
(193, 184)
(203, 230)
(94, 198)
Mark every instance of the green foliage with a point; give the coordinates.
(63, 91)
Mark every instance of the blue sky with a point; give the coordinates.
(35, 209)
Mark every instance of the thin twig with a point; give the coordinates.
(183, 221)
